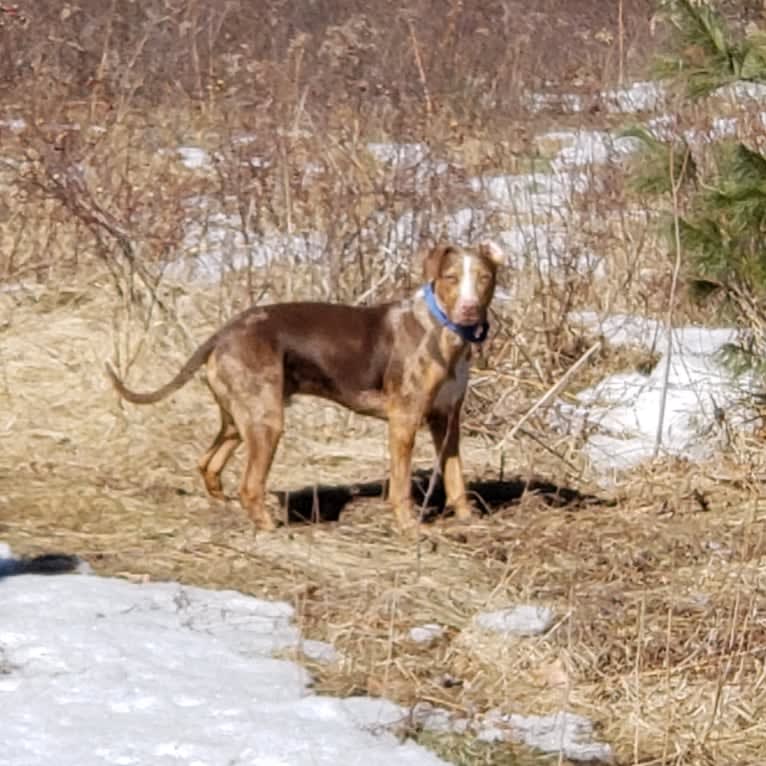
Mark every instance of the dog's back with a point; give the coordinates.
(335, 351)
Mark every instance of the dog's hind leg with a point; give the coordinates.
(212, 463)
(261, 432)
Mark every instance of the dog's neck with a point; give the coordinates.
(450, 345)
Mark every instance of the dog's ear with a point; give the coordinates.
(492, 252)
(432, 261)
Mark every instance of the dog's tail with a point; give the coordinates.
(196, 360)
(48, 564)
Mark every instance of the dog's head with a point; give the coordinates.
(463, 279)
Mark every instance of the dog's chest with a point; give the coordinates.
(452, 390)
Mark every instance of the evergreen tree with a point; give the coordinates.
(722, 222)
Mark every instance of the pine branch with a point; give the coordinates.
(703, 55)
(654, 174)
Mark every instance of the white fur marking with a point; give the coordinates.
(468, 283)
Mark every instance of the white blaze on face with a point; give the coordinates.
(467, 295)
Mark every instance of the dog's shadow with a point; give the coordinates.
(324, 503)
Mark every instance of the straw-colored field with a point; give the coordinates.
(657, 590)
(154, 139)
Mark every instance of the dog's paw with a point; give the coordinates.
(464, 512)
(406, 522)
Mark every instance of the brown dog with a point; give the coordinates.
(406, 362)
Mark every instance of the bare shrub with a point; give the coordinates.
(372, 58)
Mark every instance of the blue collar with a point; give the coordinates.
(473, 333)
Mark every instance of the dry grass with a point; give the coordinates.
(660, 626)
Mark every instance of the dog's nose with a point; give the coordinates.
(468, 310)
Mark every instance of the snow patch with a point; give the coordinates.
(663, 126)
(320, 651)
(521, 620)
(569, 103)
(592, 147)
(723, 127)
(439, 720)
(425, 634)
(15, 124)
(407, 155)
(102, 671)
(563, 732)
(702, 395)
(413, 157)
(219, 245)
(743, 91)
(642, 96)
(549, 247)
(534, 194)
(194, 157)
(542, 203)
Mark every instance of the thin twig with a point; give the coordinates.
(435, 473)
(621, 41)
(675, 185)
(550, 393)
(421, 70)
(547, 447)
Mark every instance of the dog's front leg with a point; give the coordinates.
(402, 427)
(445, 431)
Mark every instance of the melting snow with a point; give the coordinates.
(414, 157)
(723, 127)
(644, 96)
(564, 732)
(219, 245)
(16, 124)
(570, 103)
(547, 246)
(102, 671)
(407, 155)
(521, 620)
(425, 634)
(320, 651)
(702, 394)
(544, 201)
(743, 91)
(636, 97)
(592, 147)
(535, 193)
(194, 158)
(528, 198)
